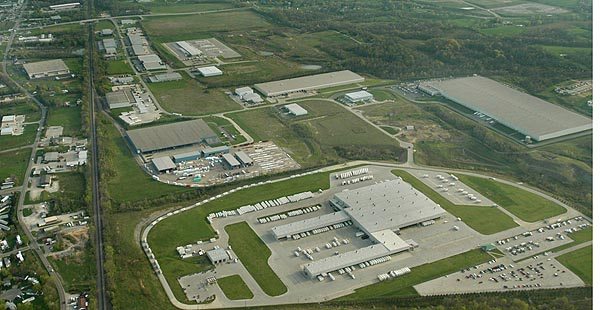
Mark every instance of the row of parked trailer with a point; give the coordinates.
(357, 180)
(292, 213)
(261, 205)
(393, 274)
(352, 173)
(375, 261)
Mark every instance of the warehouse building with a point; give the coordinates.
(165, 77)
(295, 109)
(151, 62)
(529, 115)
(171, 136)
(47, 68)
(188, 156)
(109, 43)
(163, 164)
(379, 211)
(213, 151)
(307, 83)
(188, 49)
(243, 91)
(244, 159)
(65, 6)
(231, 162)
(252, 98)
(120, 99)
(210, 71)
(358, 96)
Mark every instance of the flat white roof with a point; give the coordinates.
(46, 66)
(310, 82)
(296, 109)
(392, 204)
(8, 118)
(309, 224)
(212, 70)
(188, 48)
(231, 161)
(163, 163)
(522, 112)
(359, 95)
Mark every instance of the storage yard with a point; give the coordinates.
(533, 117)
(200, 52)
(307, 84)
(325, 240)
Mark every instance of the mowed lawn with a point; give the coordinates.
(523, 204)
(29, 109)
(69, 118)
(27, 138)
(235, 288)
(485, 220)
(189, 97)
(185, 27)
(403, 286)
(118, 67)
(254, 254)
(14, 164)
(580, 262)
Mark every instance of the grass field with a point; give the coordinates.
(525, 205)
(175, 7)
(381, 95)
(403, 286)
(14, 164)
(578, 237)
(114, 67)
(580, 262)
(503, 31)
(78, 271)
(27, 138)
(189, 97)
(218, 124)
(29, 109)
(485, 220)
(69, 118)
(254, 254)
(175, 28)
(129, 182)
(235, 288)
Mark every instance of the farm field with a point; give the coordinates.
(69, 118)
(27, 138)
(189, 97)
(254, 254)
(27, 108)
(485, 220)
(235, 288)
(403, 286)
(525, 205)
(14, 164)
(580, 262)
(174, 7)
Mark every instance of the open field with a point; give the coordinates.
(218, 124)
(189, 97)
(69, 118)
(128, 182)
(525, 205)
(78, 271)
(14, 164)
(503, 31)
(485, 220)
(403, 286)
(580, 262)
(175, 7)
(235, 288)
(27, 138)
(27, 108)
(175, 28)
(114, 67)
(254, 254)
(69, 198)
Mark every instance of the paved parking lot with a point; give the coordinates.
(451, 188)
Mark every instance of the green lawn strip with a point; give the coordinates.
(485, 220)
(403, 285)
(523, 204)
(235, 288)
(578, 237)
(580, 262)
(118, 67)
(254, 254)
(14, 164)
(68, 118)
(29, 109)
(27, 138)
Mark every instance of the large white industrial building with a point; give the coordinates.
(210, 71)
(529, 115)
(307, 83)
(47, 68)
(379, 211)
(358, 96)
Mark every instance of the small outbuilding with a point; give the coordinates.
(210, 71)
(217, 256)
(163, 164)
(295, 109)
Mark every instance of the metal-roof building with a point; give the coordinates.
(189, 49)
(522, 112)
(163, 163)
(231, 162)
(109, 43)
(120, 99)
(358, 96)
(47, 68)
(295, 109)
(252, 98)
(188, 156)
(244, 159)
(173, 135)
(210, 71)
(243, 91)
(309, 224)
(165, 77)
(306, 83)
(151, 62)
(210, 151)
(217, 256)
